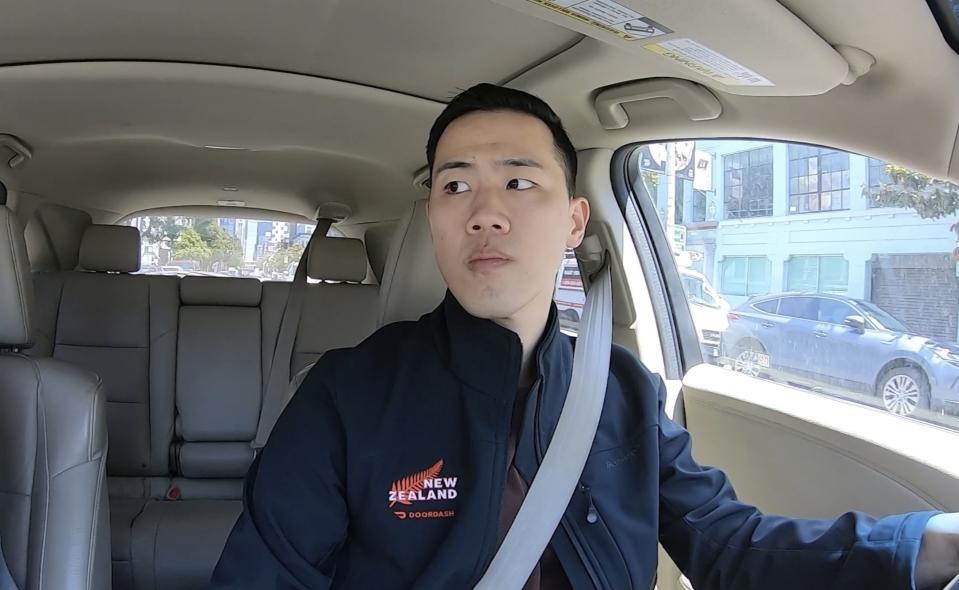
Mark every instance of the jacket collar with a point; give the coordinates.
(485, 355)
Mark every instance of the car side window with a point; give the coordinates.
(569, 294)
(788, 236)
(803, 308)
(834, 312)
(771, 306)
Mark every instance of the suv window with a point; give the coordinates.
(771, 306)
(790, 223)
(883, 319)
(804, 308)
(221, 246)
(834, 312)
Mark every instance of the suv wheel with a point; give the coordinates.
(747, 360)
(903, 390)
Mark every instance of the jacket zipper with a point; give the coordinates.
(567, 526)
(591, 514)
(493, 526)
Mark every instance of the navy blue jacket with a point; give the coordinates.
(387, 470)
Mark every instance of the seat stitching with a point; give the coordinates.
(112, 346)
(72, 467)
(42, 431)
(6, 493)
(91, 547)
(156, 543)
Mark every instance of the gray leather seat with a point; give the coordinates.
(183, 363)
(177, 541)
(122, 327)
(412, 283)
(54, 515)
(338, 312)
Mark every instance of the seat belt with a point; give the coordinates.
(275, 390)
(562, 466)
(6, 579)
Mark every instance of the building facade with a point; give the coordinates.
(775, 217)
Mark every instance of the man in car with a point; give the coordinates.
(402, 462)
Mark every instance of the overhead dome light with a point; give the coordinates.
(226, 147)
(230, 189)
(227, 203)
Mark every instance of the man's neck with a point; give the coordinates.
(529, 323)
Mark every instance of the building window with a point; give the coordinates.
(817, 274)
(748, 183)
(818, 179)
(877, 176)
(745, 275)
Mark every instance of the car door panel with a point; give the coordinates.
(818, 454)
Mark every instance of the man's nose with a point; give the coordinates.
(488, 214)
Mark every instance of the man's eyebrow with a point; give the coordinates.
(452, 164)
(524, 162)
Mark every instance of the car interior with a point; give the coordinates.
(129, 396)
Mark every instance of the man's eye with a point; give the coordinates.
(519, 184)
(456, 186)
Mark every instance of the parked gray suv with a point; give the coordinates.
(838, 343)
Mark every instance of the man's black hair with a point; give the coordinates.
(489, 97)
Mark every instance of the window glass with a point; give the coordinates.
(818, 234)
(817, 274)
(569, 294)
(818, 179)
(834, 312)
(771, 306)
(747, 182)
(694, 288)
(745, 275)
(803, 308)
(221, 246)
(883, 320)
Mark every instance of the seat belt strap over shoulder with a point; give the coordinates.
(275, 390)
(563, 464)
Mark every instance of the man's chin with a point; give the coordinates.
(486, 303)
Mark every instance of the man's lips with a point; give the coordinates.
(487, 260)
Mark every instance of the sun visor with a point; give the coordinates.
(755, 48)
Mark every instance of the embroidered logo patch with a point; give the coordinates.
(422, 486)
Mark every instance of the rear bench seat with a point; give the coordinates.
(124, 328)
(177, 539)
(183, 363)
(337, 313)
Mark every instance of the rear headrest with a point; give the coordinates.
(53, 237)
(337, 259)
(412, 284)
(16, 286)
(110, 248)
(226, 291)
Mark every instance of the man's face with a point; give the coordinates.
(500, 212)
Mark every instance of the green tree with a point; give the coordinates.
(189, 246)
(280, 260)
(225, 249)
(929, 197)
(162, 228)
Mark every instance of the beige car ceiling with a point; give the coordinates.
(127, 104)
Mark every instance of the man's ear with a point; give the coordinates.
(579, 217)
